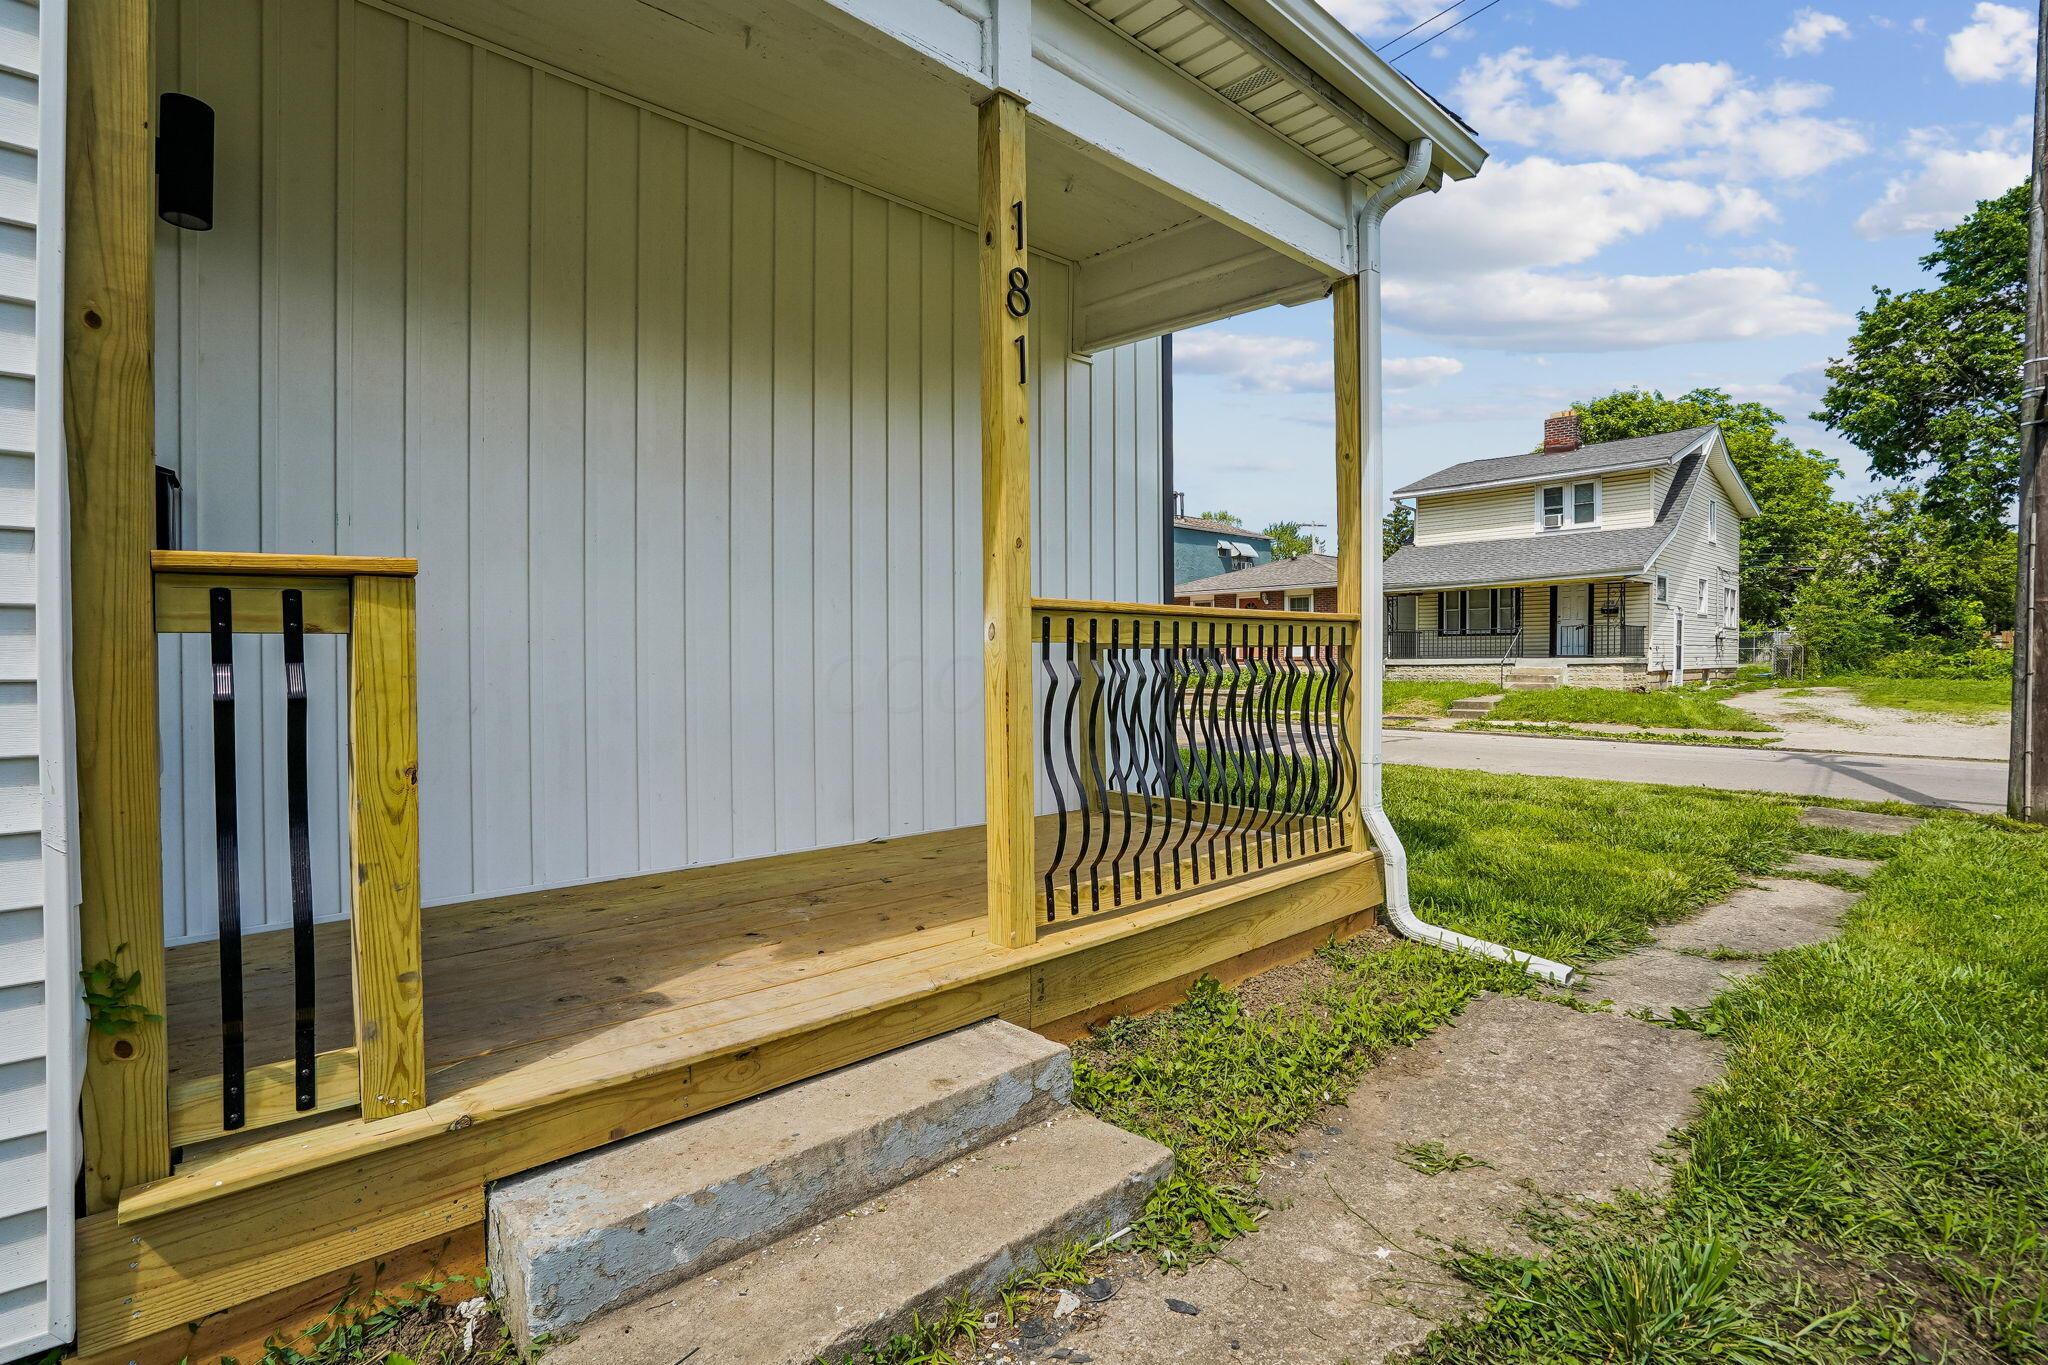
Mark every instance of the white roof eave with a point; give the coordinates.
(1340, 57)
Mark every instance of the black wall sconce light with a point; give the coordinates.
(184, 162)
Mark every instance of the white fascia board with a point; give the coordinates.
(1723, 465)
(1616, 575)
(1122, 105)
(1340, 57)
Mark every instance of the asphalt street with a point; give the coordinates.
(1963, 783)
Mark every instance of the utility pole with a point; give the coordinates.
(2027, 789)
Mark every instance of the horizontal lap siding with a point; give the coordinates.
(685, 438)
(37, 980)
(1688, 558)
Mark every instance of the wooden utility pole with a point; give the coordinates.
(2027, 781)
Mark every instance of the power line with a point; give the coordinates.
(1418, 46)
(1424, 24)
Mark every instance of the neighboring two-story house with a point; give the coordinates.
(1613, 565)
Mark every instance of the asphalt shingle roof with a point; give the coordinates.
(1221, 528)
(1635, 452)
(1309, 571)
(1554, 555)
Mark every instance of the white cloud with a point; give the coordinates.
(1996, 45)
(1259, 364)
(1278, 364)
(1522, 310)
(1773, 250)
(1698, 116)
(1946, 181)
(1419, 371)
(1810, 31)
(1540, 212)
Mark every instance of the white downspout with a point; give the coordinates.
(1372, 602)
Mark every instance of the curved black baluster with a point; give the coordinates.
(1256, 799)
(1068, 730)
(1240, 749)
(227, 858)
(1348, 765)
(1052, 776)
(1194, 772)
(1177, 775)
(1275, 795)
(1290, 753)
(1122, 732)
(1314, 712)
(1095, 752)
(1212, 785)
(1155, 777)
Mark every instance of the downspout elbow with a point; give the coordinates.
(1401, 915)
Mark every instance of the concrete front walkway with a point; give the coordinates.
(1556, 1104)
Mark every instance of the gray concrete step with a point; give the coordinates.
(858, 1278)
(572, 1240)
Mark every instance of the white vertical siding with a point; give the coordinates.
(38, 1017)
(684, 436)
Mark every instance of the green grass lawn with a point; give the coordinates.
(1966, 698)
(1677, 708)
(1417, 699)
(1869, 1181)
(1569, 869)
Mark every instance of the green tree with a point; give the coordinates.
(1839, 622)
(1799, 516)
(1290, 541)
(1930, 388)
(1397, 530)
(1936, 580)
(1227, 518)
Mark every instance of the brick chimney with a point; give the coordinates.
(1561, 432)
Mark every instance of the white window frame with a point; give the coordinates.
(1306, 601)
(1713, 522)
(1568, 491)
(1663, 590)
(1703, 610)
(1730, 608)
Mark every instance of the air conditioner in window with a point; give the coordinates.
(1553, 521)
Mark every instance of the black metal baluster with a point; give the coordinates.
(1290, 751)
(1052, 775)
(1177, 769)
(1068, 731)
(1122, 735)
(1269, 706)
(228, 859)
(301, 845)
(1241, 735)
(1096, 706)
(1155, 771)
(1255, 814)
(1201, 737)
(1216, 780)
(1314, 713)
(1347, 763)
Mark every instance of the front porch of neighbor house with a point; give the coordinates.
(664, 597)
(1591, 634)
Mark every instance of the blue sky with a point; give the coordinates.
(1678, 195)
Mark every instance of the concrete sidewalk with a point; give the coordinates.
(1963, 784)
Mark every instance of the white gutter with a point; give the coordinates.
(1372, 603)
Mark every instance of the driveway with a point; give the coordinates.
(1961, 783)
(1832, 718)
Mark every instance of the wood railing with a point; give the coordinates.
(1184, 746)
(370, 601)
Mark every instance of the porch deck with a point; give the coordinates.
(563, 1020)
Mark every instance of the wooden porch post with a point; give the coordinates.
(1006, 520)
(1352, 527)
(109, 428)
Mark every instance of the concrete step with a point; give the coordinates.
(572, 1240)
(858, 1278)
(1472, 708)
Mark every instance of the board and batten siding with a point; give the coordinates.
(685, 437)
(40, 1018)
